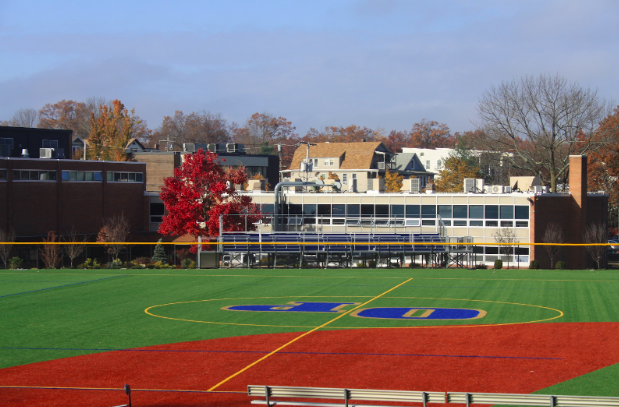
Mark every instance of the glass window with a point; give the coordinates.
(507, 224)
(324, 209)
(444, 211)
(65, 175)
(267, 208)
(446, 222)
(522, 251)
(295, 209)
(492, 250)
(43, 175)
(428, 222)
(492, 212)
(339, 210)
(522, 224)
(477, 223)
(492, 223)
(52, 175)
(89, 176)
(478, 249)
(16, 175)
(460, 212)
(476, 211)
(34, 175)
(367, 210)
(344, 179)
(132, 177)
(460, 223)
(110, 176)
(507, 212)
(157, 208)
(3, 175)
(81, 176)
(413, 211)
(428, 211)
(139, 177)
(72, 175)
(522, 212)
(309, 209)
(382, 211)
(397, 211)
(124, 177)
(97, 176)
(353, 210)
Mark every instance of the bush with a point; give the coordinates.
(142, 261)
(481, 267)
(534, 265)
(159, 256)
(188, 264)
(90, 264)
(15, 263)
(498, 264)
(561, 265)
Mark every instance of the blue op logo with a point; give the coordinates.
(329, 307)
(415, 313)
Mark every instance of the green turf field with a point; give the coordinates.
(50, 314)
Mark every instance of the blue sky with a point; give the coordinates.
(377, 63)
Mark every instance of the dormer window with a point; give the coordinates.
(328, 162)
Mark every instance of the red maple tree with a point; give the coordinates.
(199, 192)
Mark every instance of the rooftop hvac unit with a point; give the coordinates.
(469, 185)
(231, 147)
(507, 190)
(45, 152)
(381, 165)
(496, 189)
(212, 148)
(538, 189)
(415, 185)
(189, 147)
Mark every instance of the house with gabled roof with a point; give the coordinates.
(361, 161)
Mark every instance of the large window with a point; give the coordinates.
(353, 210)
(93, 176)
(2, 175)
(522, 212)
(338, 210)
(397, 211)
(367, 210)
(157, 210)
(34, 175)
(125, 176)
(444, 211)
(428, 211)
(492, 212)
(413, 211)
(382, 211)
(50, 144)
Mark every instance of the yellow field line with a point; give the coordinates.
(305, 334)
(316, 243)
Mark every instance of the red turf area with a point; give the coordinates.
(507, 359)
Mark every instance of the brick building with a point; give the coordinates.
(18, 141)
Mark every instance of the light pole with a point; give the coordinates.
(308, 144)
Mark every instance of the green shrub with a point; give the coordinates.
(188, 264)
(159, 255)
(561, 265)
(534, 265)
(498, 264)
(15, 263)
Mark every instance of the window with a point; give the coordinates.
(2, 175)
(397, 211)
(367, 210)
(353, 210)
(459, 223)
(267, 209)
(476, 212)
(477, 223)
(324, 209)
(439, 164)
(91, 176)
(428, 164)
(507, 212)
(522, 212)
(328, 162)
(492, 211)
(315, 162)
(157, 210)
(344, 179)
(507, 224)
(413, 211)
(492, 223)
(6, 145)
(354, 176)
(522, 224)
(33, 175)
(444, 211)
(50, 144)
(338, 210)
(382, 211)
(125, 176)
(492, 250)
(428, 211)
(460, 212)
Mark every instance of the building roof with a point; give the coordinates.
(355, 155)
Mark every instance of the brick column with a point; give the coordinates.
(577, 258)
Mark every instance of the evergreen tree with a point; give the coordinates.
(159, 254)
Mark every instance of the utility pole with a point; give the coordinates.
(307, 162)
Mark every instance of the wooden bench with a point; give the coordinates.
(344, 395)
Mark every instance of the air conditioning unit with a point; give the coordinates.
(381, 166)
(496, 189)
(212, 148)
(46, 152)
(469, 185)
(507, 190)
(189, 147)
(231, 147)
(538, 189)
(415, 185)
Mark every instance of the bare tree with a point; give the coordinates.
(596, 233)
(115, 230)
(542, 120)
(25, 118)
(553, 234)
(6, 240)
(74, 245)
(505, 237)
(51, 254)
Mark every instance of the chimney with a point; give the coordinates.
(577, 257)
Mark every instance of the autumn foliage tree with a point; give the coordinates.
(393, 181)
(603, 163)
(111, 131)
(261, 132)
(430, 134)
(196, 127)
(457, 167)
(200, 191)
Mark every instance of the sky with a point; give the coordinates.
(383, 64)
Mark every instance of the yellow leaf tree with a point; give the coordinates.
(393, 181)
(455, 170)
(110, 132)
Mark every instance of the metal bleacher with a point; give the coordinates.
(325, 249)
